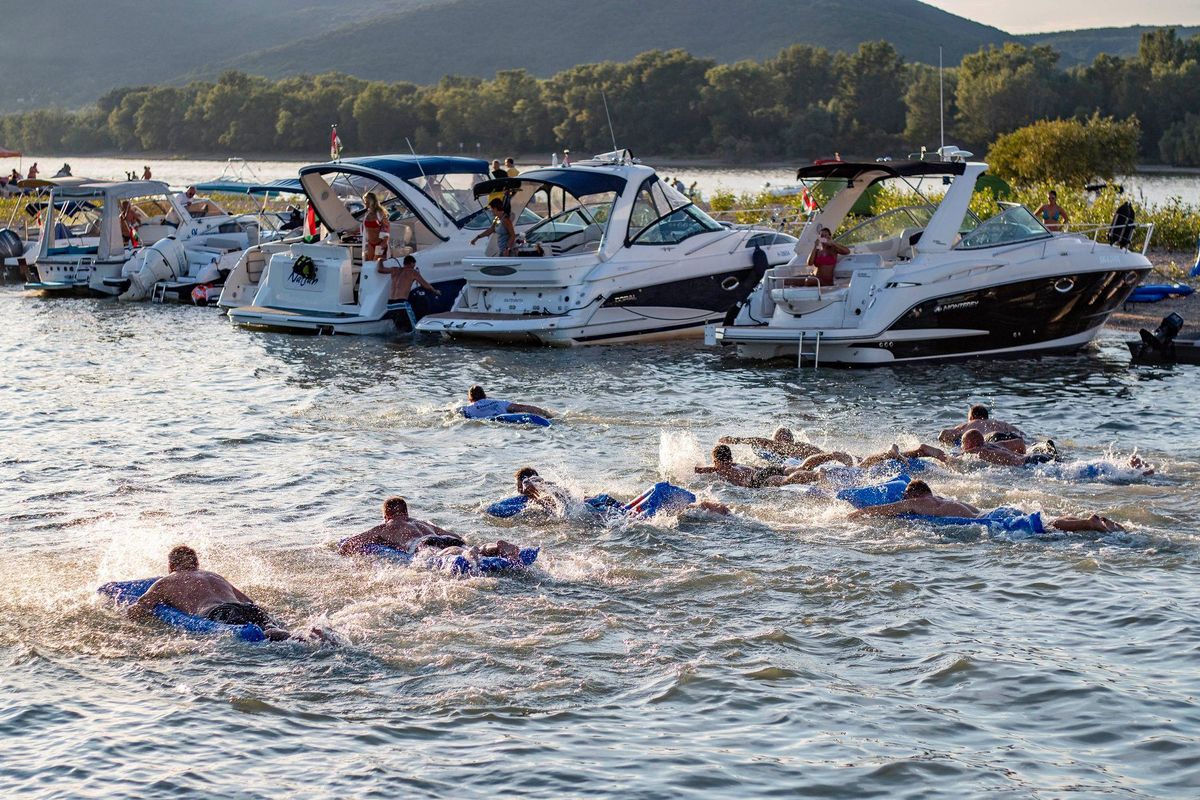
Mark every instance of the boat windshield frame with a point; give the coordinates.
(1025, 232)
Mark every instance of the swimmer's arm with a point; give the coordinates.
(753, 441)
(705, 470)
(355, 544)
(885, 510)
(928, 451)
(382, 270)
(950, 435)
(426, 284)
(144, 607)
(523, 408)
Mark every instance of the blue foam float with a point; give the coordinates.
(521, 419)
(1155, 292)
(457, 564)
(662, 496)
(126, 593)
(1009, 520)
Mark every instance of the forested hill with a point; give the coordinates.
(1082, 47)
(479, 37)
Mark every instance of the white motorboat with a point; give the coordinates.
(931, 281)
(619, 256)
(324, 287)
(82, 240)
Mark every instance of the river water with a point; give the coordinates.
(1145, 188)
(783, 651)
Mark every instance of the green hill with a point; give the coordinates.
(1082, 47)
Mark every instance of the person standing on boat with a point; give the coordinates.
(502, 226)
(375, 229)
(824, 256)
(1052, 214)
(510, 167)
(146, 173)
(33, 171)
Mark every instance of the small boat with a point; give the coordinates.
(325, 287)
(931, 280)
(618, 256)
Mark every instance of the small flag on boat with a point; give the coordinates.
(335, 144)
(310, 224)
(807, 200)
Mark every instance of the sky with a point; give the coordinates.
(1038, 16)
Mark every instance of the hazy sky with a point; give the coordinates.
(1035, 16)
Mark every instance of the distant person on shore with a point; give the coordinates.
(480, 406)
(33, 171)
(692, 193)
(510, 167)
(679, 186)
(502, 226)
(15, 177)
(919, 499)
(376, 229)
(824, 257)
(146, 173)
(1052, 214)
(64, 171)
(498, 171)
(203, 594)
(994, 430)
(401, 532)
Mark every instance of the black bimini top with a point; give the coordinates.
(894, 169)
(579, 182)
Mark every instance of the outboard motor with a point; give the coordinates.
(1160, 342)
(11, 245)
(1120, 233)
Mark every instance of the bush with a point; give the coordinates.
(1070, 151)
(1180, 144)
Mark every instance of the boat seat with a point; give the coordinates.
(846, 265)
(908, 241)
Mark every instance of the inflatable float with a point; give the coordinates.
(457, 564)
(1156, 292)
(512, 419)
(1009, 520)
(661, 496)
(126, 593)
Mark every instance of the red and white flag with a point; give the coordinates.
(807, 200)
(335, 144)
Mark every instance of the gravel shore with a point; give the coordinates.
(1147, 315)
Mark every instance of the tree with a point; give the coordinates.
(1066, 151)
(742, 104)
(871, 97)
(1002, 88)
(923, 123)
(1180, 145)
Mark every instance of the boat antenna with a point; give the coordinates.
(414, 155)
(941, 104)
(611, 132)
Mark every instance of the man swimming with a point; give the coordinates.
(557, 500)
(749, 477)
(203, 594)
(919, 499)
(974, 444)
(483, 407)
(995, 431)
(400, 531)
(782, 443)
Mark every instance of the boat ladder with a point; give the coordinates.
(815, 355)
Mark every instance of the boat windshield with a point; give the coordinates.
(662, 215)
(452, 192)
(1010, 226)
(566, 215)
(888, 225)
(353, 189)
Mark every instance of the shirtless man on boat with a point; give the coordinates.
(203, 594)
(556, 499)
(919, 499)
(402, 532)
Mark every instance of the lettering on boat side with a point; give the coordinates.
(956, 306)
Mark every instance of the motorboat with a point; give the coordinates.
(324, 286)
(618, 256)
(81, 238)
(19, 236)
(931, 280)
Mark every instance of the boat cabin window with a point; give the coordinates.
(74, 220)
(661, 215)
(1010, 226)
(483, 219)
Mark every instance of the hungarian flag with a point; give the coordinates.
(335, 144)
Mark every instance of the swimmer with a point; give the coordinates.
(402, 532)
(760, 477)
(556, 499)
(483, 407)
(782, 443)
(203, 594)
(979, 419)
(918, 498)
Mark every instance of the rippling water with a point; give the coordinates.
(784, 651)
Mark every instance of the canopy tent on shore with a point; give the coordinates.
(6, 153)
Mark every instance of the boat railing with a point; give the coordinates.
(787, 219)
(1094, 232)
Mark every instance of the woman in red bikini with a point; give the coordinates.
(375, 229)
(825, 255)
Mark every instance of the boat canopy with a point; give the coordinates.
(281, 186)
(579, 182)
(406, 168)
(112, 190)
(886, 169)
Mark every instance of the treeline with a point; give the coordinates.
(805, 102)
